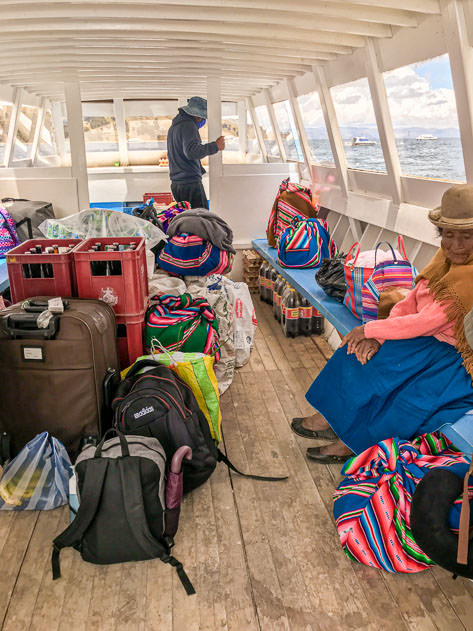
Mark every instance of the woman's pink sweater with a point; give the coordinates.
(417, 315)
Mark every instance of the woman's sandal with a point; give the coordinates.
(314, 454)
(300, 430)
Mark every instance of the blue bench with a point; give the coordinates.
(304, 281)
(460, 432)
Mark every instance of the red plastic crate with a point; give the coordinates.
(130, 338)
(20, 265)
(159, 198)
(126, 289)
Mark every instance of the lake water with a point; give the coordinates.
(442, 158)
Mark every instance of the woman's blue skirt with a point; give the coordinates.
(410, 387)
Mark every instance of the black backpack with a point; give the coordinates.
(122, 514)
(158, 403)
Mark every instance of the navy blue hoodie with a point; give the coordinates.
(185, 149)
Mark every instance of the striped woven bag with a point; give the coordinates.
(372, 505)
(292, 200)
(305, 243)
(396, 274)
(181, 323)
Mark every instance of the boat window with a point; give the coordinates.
(25, 134)
(355, 115)
(5, 115)
(287, 127)
(424, 114)
(230, 120)
(47, 151)
(147, 138)
(101, 140)
(314, 125)
(269, 137)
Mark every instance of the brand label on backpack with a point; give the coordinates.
(143, 412)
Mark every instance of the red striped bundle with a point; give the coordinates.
(372, 505)
(292, 200)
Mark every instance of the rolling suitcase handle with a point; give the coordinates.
(38, 306)
(12, 325)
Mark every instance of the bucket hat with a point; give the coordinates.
(456, 210)
(197, 106)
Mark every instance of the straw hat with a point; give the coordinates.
(456, 209)
(196, 106)
(468, 323)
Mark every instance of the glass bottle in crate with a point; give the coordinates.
(292, 307)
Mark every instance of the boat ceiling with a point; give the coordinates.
(149, 49)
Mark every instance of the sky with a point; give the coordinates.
(419, 96)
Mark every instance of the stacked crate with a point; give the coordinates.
(251, 264)
(119, 278)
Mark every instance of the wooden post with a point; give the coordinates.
(76, 138)
(119, 112)
(259, 133)
(333, 129)
(383, 120)
(214, 113)
(274, 123)
(461, 63)
(13, 127)
(38, 130)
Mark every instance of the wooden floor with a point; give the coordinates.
(262, 556)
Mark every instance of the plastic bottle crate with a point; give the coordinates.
(123, 284)
(130, 338)
(159, 198)
(41, 274)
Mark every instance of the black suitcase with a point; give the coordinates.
(28, 216)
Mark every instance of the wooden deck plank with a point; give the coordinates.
(16, 544)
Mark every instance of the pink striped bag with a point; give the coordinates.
(355, 277)
(395, 274)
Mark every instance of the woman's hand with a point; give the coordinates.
(366, 349)
(353, 338)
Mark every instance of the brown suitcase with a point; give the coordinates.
(53, 379)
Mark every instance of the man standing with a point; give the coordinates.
(185, 151)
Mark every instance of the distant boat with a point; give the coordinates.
(361, 140)
(426, 137)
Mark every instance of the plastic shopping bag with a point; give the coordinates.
(38, 477)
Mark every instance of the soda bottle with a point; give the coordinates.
(273, 275)
(317, 322)
(284, 293)
(262, 280)
(277, 297)
(291, 320)
(267, 274)
(305, 317)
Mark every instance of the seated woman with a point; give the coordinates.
(412, 372)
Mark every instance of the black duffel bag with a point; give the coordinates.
(331, 278)
(28, 216)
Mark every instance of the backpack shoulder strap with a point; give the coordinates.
(90, 497)
(135, 514)
(221, 457)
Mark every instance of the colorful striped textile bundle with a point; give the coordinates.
(305, 243)
(372, 505)
(387, 276)
(8, 235)
(292, 200)
(189, 255)
(181, 323)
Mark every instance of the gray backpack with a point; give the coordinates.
(128, 510)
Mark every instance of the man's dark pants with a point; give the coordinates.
(192, 192)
